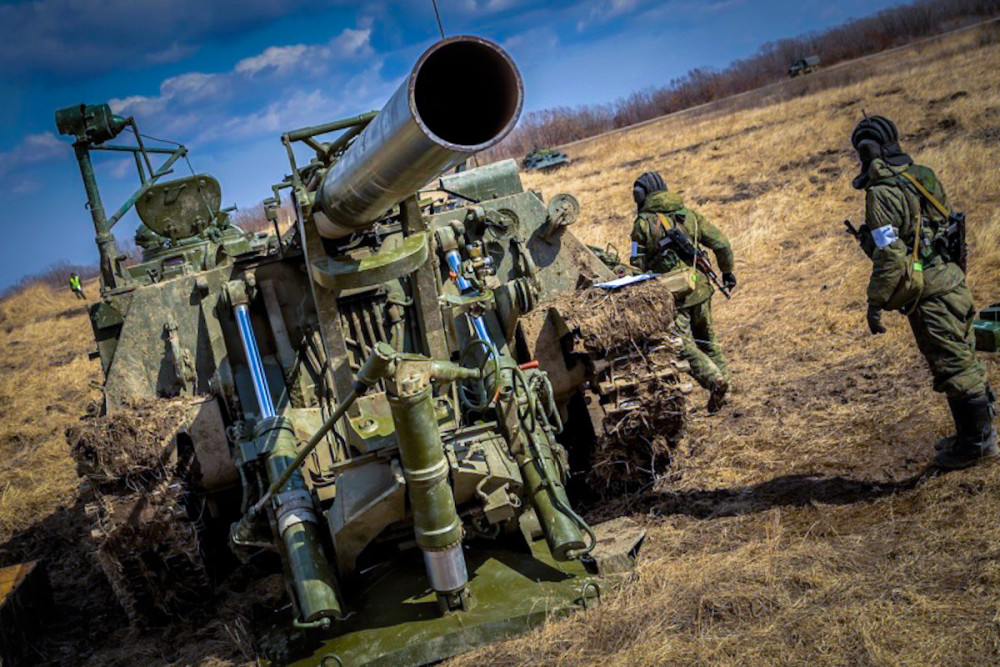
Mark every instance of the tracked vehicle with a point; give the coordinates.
(545, 159)
(358, 404)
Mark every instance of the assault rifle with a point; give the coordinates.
(853, 231)
(677, 240)
(955, 247)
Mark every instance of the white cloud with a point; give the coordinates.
(187, 100)
(193, 86)
(489, 6)
(525, 45)
(305, 107)
(351, 43)
(24, 186)
(275, 117)
(605, 10)
(43, 146)
(277, 57)
(190, 87)
(34, 149)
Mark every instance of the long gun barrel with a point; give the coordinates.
(423, 130)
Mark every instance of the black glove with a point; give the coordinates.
(729, 281)
(875, 320)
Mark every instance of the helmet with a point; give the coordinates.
(645, 185)
(879, 129)
(876, 136)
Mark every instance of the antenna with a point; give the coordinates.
(437, 15)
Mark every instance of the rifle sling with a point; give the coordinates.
(930, 198)
(927, 195)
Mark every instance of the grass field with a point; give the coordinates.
(800, 524)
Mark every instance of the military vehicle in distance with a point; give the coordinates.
(360, 407)
(804, 66)
(544, 159)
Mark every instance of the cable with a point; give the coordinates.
(437, 15)
(165, 141)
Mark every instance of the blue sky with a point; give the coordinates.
(226, 77)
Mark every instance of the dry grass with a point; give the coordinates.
(45, 377)
(800, 526)
(797, 526)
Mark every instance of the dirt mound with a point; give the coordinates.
(138, 442)
(607, 320)
(143, 536)
(639, 390)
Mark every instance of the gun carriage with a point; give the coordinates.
(359, 404)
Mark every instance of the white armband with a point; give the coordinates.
(884, 235)
(635, 248)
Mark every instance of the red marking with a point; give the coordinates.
(528, 365)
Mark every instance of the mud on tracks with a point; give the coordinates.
(639, 393)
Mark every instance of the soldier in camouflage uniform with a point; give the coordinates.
(925, 284)
(653, 252)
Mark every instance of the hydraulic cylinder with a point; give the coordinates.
(437, 525)
(548, 498)
(535, 454)
(254, 364)
(312, 580)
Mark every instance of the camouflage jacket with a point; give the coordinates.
(892, 209)
(661, 210)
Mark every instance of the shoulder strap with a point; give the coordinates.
(666, 222)
(926, 194)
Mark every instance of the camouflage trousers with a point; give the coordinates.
(700, 347)
(942, 326)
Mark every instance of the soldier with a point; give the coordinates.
(660, 232)
(904, 203)
(76, 285)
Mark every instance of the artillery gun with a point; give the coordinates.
(359, 405)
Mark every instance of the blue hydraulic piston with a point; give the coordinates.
(254, 363)
(464, 286)
(479, 326)
(455, 264)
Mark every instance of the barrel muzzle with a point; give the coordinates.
(422, 131)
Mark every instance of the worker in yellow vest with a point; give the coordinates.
(76, 285)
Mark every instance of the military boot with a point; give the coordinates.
(955, 404)
(947, 442)
(975, 438)
(717, 397)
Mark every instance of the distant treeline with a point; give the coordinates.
(856, 38)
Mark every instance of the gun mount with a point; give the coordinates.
(357, 403)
